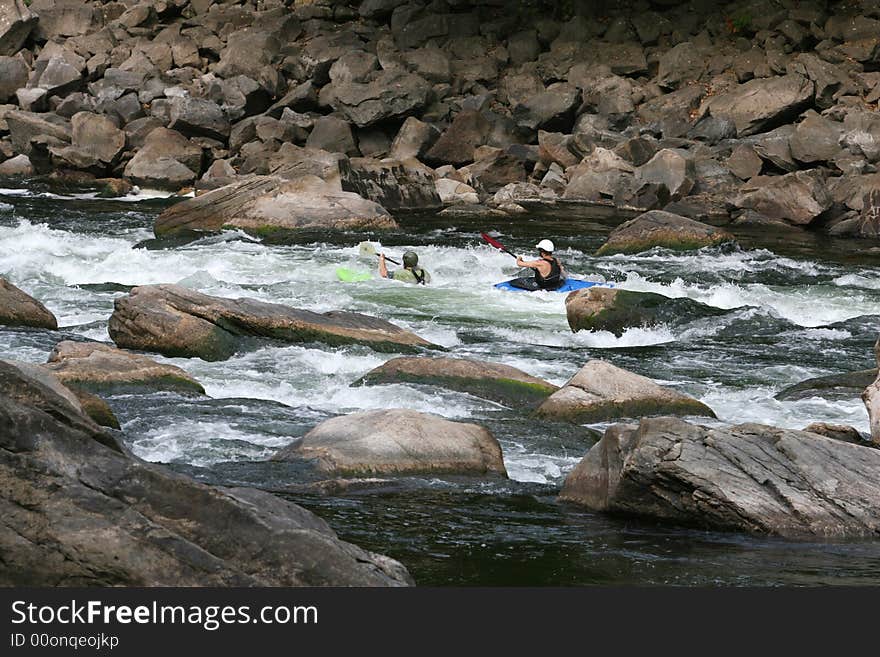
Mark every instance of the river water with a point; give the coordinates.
(768, 317)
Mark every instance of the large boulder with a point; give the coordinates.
(501, 383)
(762, 104)
(95, 142)
(413, 139)
(611, 309)
(663, 229)
(551, 109)
(13, 75)
(175, 321)
(274, 207)
(77, 509)
(672, 167)
(468, 130)
(390, 95)
(19, 309)
(749, 477)
(167, 160)
(681, 65)
(101, 368)
(600, 392)
(198, 117)
(816, 139)
(33, 132)
(797, 198)
(393, 184)
(397, 441)
(16, 23)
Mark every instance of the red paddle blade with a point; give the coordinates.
(493, 242)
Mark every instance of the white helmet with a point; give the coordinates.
(545, 245)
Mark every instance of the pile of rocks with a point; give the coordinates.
(743, 113)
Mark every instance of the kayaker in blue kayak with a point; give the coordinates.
(411, 272)
(549, 272)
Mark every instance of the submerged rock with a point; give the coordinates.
(663, 229)
(494, 381)
(600, 391)
(100, 367)
(848, 385)
(175, 321)
(19, 309)
(749, 477)
(271, 206)
(78, 510)
(397, 441)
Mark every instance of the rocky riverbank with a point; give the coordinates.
(745, 113)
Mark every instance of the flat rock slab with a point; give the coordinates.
(19, 309)
(175, 321)
(750, 477)
(271, 206)
(77, 510)
(663, 229)
(100, 367)
(494, 381)
(600, 392)
(397, 441)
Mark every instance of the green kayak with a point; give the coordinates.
(347, 275)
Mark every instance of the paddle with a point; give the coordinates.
(391, 260)
(498, 245)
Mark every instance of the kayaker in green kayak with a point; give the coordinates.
(411, 272)
(549, 272)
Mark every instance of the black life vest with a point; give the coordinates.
(553, 280)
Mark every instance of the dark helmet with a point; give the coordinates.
(410, 259)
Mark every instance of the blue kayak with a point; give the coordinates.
(570, 285)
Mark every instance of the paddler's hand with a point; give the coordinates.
(520, 262)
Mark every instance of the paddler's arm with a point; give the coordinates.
(383, 270)
(531, 264)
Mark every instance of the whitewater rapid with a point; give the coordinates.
(786, 320)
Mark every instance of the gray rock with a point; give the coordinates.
(199, 117)
(98, 367)
(673, 168)
(663, 229)
(68, 480)
(832, 387)
(301, 98)
(19, 309)
(24, 127)
(16, 23)
(749, 477)
(391, 95)
(468, 130)
(861, 134)
(815, 139)
(681, 65)
(355, 66)
(97, 136)
(246, 53)
(552, 109)
(775, 148)
(523, 47)
(333, 135)
(175, 321)
(398, 441)
(17, 167)
(600, 392)
(414, 139)
(759, 105)
(13, 75)
(797, 198)
(744, 162)
(32, 99)
(271, 206)
(167, 160)
(392, 184)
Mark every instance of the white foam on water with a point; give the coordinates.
(205, 443)
(808, 306)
